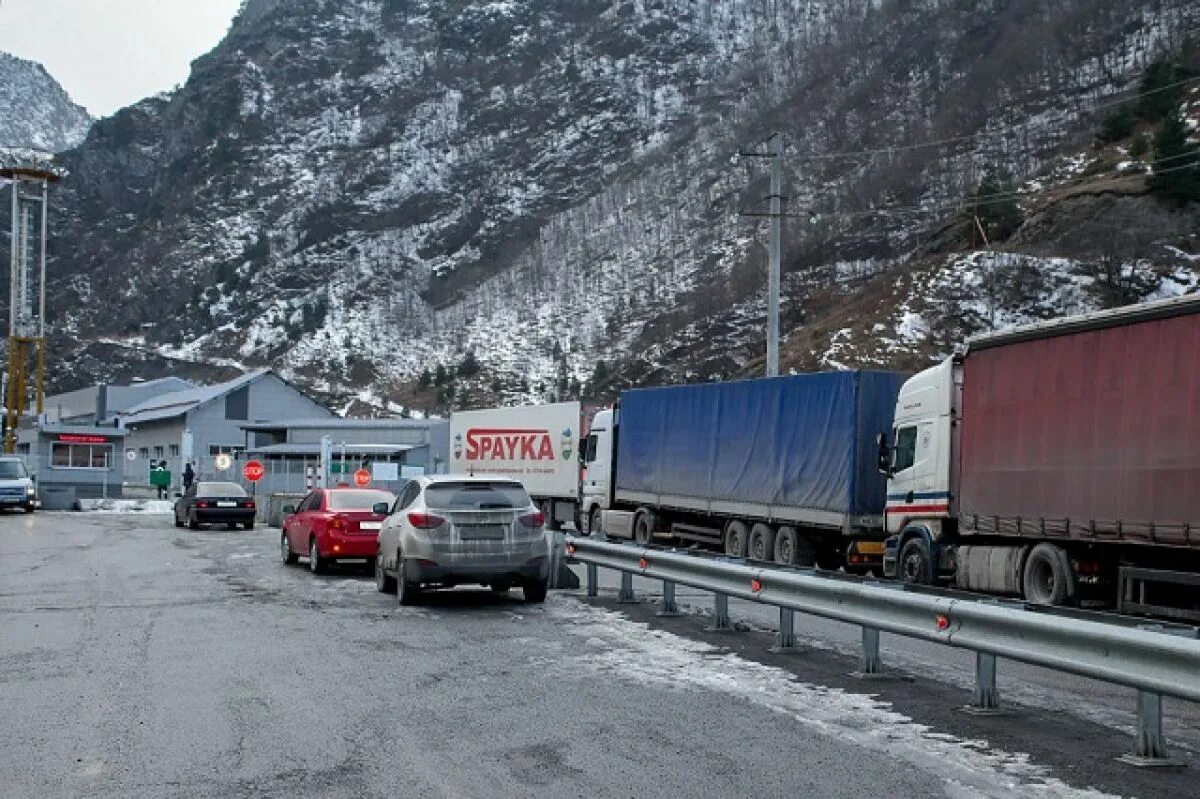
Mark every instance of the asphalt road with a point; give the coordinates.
(141, 660)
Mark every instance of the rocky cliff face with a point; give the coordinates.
(357, 191)
(35, 112)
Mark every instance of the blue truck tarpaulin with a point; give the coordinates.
(805, 441)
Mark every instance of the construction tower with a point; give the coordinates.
(27, 295)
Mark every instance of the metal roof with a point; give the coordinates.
(346, 424)
(315, 449)
(177, 403)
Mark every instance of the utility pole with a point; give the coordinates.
(775, 246)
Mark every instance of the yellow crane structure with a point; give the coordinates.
(27, 295)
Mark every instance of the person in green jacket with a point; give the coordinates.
(160, 478)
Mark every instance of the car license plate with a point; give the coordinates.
(369, 525)
(481, 532)
(226, 504)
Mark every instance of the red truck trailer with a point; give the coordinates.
(1059, 462)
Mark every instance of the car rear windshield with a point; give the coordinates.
(220, 490)
(12, 470)
(476, 495)
(359, 500)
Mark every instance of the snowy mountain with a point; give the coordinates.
(515, 191)
(35, 112)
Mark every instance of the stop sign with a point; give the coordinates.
(254, 471)
(362, 478)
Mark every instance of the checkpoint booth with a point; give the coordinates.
(73, 462)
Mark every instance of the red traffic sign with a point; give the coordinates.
(254, 471)
(362, 478)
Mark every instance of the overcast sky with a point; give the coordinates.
(111, 53)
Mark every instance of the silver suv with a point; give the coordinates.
(16, 486)
(448, 530)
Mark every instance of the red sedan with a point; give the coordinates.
(333, 524)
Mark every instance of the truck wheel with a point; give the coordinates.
(915, 565)
(1048, 578)
(762, 542)
(737, 536)
(792, 549)
(643, 526)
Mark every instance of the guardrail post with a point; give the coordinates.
(626, 594)
(987, 698)
(669, 608)
(593, 580)
(720, 613)
(870, 663)
(1151, 745)
(787, 631)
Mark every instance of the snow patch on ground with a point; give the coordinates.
(157, 507)
(624, 649)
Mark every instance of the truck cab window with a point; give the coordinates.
(906, 448)
(589, 452)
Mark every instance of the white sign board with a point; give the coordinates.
(412, 472)
(223, 462)
(536, 444)
(131, 454)
(385, 472)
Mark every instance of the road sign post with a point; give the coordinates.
(362, 478)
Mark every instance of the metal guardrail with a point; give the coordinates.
(1156, 660)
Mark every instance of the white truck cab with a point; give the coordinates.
(597, 470)
(919, 464)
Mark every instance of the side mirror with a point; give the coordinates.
(884, 455)
(288, 510)
(380, 509)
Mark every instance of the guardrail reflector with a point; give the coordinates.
(643, 564)
(755, 585)
(943, 623)
(570, 549)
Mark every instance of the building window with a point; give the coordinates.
(158, 453)
(144, 453)
(232, 449)
(174, 450)
(81, 456)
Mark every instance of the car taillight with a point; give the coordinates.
(535, 519)
(247, 504)
(201, 504)
(425, 521)
(337, 523)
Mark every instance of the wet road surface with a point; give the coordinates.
(141, 660)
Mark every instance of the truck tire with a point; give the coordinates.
(761, 545)
(593, 522)
(644, 524)
(793, 549)
(737, 536)
(1048, 578)
(915, 564)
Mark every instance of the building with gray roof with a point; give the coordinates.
(199, 423)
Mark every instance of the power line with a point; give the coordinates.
(899, 148)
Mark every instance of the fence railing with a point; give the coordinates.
(1156, 660)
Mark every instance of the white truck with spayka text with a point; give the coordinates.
(536, 444)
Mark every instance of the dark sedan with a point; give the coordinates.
(215, 503)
